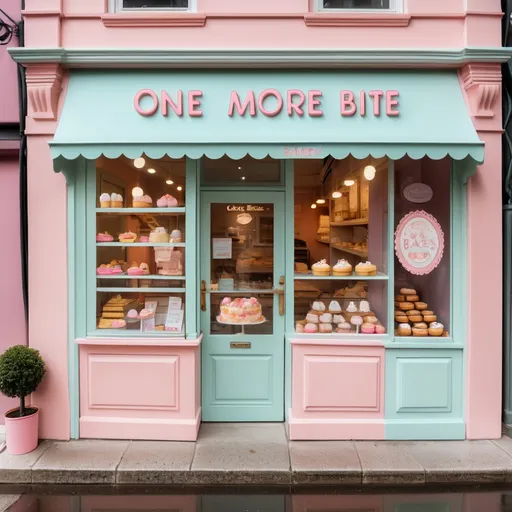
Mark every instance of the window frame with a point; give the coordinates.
(116, 6)
(396, 6)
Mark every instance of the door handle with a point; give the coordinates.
(203, 296)
(280, 292)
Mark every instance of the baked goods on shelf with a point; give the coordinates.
(240, 311)
(321, 268)
(127, 237)
(358, 290)
(110, 269)
(342, 268)
(167, 201)
(176, 236)
(301, 268)
(366, 269)
(116, 200)
(104, 237)
(413, 317)
(105, 200)
(159, 235)
(329, 317)
(138, 270)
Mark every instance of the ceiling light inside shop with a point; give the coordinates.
(244, 218)
(139, 162)
(137, 192)
(348, 183)
(369, 172)
(243, 178)
(151, 171)
(320, 201)
(239, 168)
(180, 188)
(169, 182)
(313, 206)
(336, 194)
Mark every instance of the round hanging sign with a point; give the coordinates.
(418, 193)
(419, 242)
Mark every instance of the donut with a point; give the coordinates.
(421, 305)
(401, 319)
(412, 298)
(415, 318)
(405, 306)
(413, 312)
(420, 325)
(400, 298)
(407, 291)
(419, 332)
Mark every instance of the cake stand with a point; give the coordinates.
(242, 325)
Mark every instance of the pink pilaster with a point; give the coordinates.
(482, 85)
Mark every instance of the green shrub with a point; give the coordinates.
(21, 371)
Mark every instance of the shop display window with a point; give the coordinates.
(244, 172)
(423, 263)
(156, 5)
(341, 247)
(140, 269)
(357, 4)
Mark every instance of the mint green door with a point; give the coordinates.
(242, 256)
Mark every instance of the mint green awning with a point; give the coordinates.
(99, 117)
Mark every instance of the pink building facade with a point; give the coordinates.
(84, 58)
(12, 298)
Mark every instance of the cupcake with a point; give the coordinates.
(312, 318)
(132, 316)
(127, 237)
(342, 268)
(325, 328)
(334, 307)
(321, 268)
(435, 329)
(318, 306)
(142, 202)
(105, 200)
(325, 318)
(176, 236)
(366, 269)
(310, 328)
(159, 235)
(367, 328)
(343, 328)
(167, 201)
(338, 319)
(104, 237)
(404, 330)
(116, 201)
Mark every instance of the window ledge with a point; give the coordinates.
(154, 20)
(357, 20)
(139, 341)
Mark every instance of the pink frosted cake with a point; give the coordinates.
(240, 311)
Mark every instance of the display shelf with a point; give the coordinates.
(354, 222)
(150, 277)
(355, 252)
(145, 290)
(139, 244)
(256, 270)
(240, 292)
(104, 337)
(353, 277)
(319, 240)
(134, 211)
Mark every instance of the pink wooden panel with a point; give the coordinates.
(168, 503)
(139, 392)
(354, 383)
(337, 392)
(336, 503)
(134, 376)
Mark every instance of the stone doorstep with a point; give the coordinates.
(261, 455)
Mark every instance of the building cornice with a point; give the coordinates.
(262, 58)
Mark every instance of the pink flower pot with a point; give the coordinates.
(21, 434)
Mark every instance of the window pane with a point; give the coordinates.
(245, 171)
(356, 4)
(155, 4)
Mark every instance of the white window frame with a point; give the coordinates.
(395, 6)
(116, 6)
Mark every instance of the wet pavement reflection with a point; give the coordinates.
(141, 500)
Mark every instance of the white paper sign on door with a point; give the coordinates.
(222, 248)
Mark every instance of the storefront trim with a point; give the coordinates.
(282, 58)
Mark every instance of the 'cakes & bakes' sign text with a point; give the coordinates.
(270, 103)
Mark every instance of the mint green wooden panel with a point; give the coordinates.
(191, 221)
(434, 126)
(234, 381)
(423, 394)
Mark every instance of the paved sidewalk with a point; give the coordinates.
(261, 454)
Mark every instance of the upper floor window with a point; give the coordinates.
(359, 5)
(152, 5)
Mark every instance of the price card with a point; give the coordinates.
(174, 320)
(222, 248)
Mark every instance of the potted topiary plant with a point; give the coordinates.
(21, 371)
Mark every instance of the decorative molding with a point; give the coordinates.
(267, 58)
(44, 85)
(482, 83)
(154, 20)
(357, 20)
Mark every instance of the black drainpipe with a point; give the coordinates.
(507, 217)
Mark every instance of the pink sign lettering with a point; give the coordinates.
(419, 242)
(269, 103)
